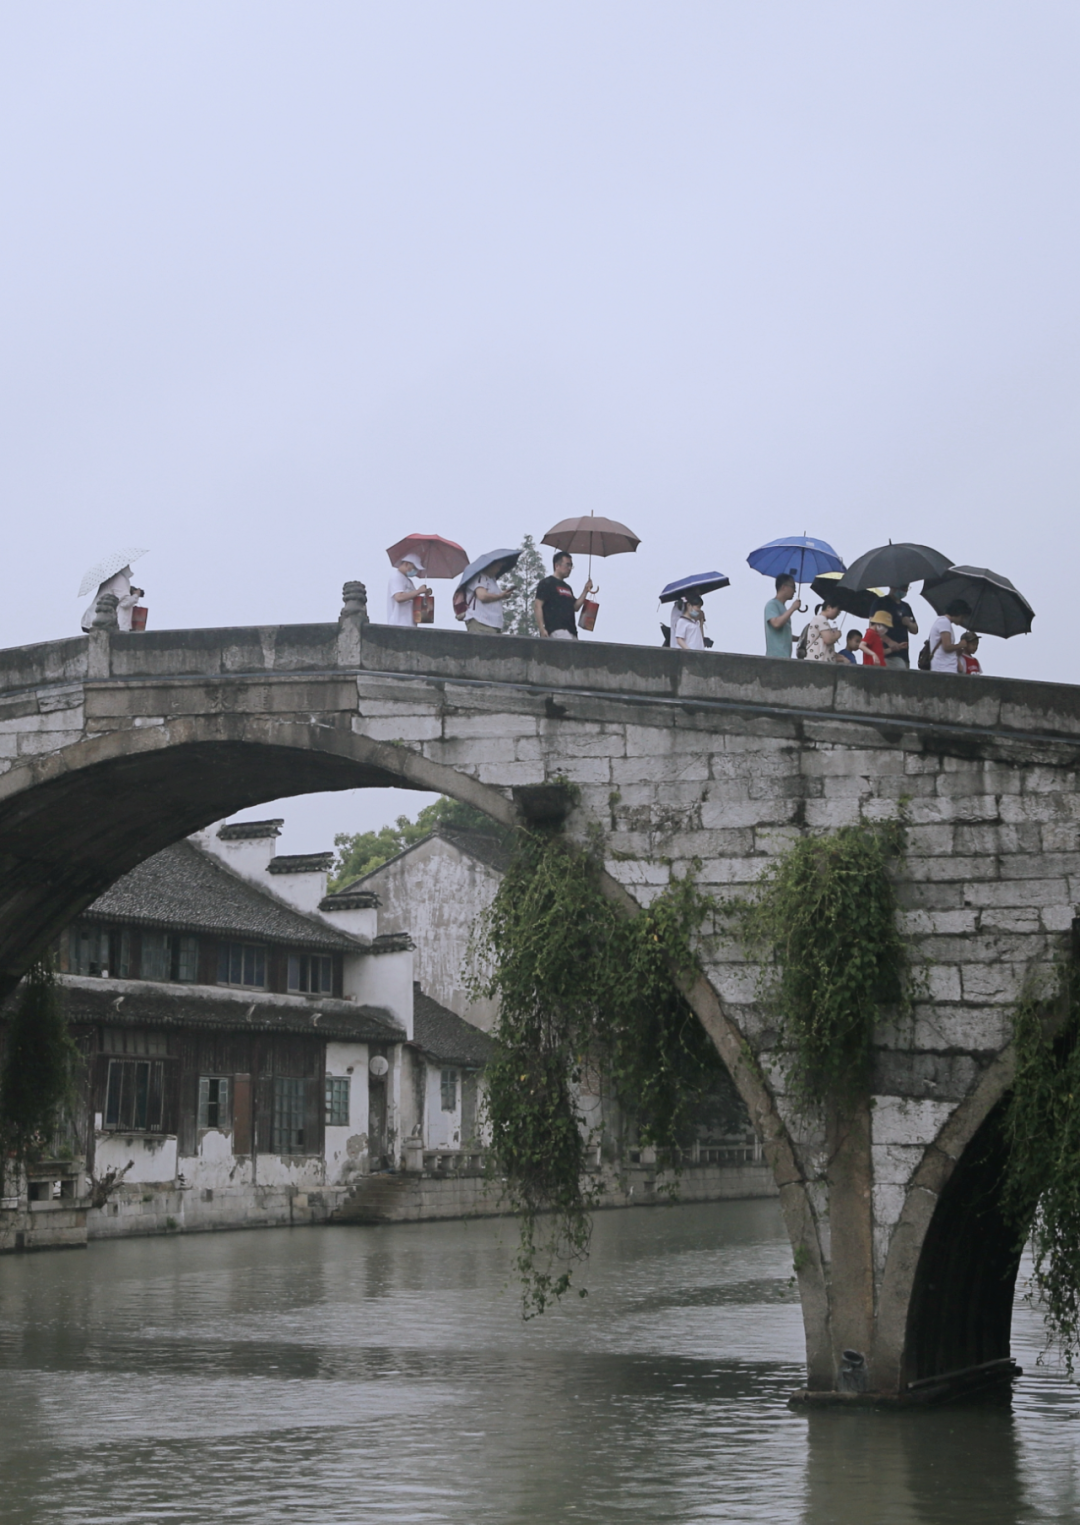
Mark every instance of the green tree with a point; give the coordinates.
(522, 581)
(37, 1084)
(358, 853)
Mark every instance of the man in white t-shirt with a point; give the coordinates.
(944, 648)
(402, 590)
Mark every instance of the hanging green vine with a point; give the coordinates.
(1042, 1178)
(37, 1081)
(823, 925)
(584, 991)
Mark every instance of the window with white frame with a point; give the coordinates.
(213, 1101)
(449, 1090)
(242, 964)
(311, 973)
(337, 1101)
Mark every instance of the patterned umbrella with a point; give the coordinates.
(108, 567)
(438, 557)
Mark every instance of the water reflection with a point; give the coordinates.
(356, 1375)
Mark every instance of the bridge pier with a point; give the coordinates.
(114, 745)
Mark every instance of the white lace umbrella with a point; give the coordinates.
(108, 567)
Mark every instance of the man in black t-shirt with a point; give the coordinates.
(554, 604)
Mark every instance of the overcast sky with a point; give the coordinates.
(281, 282)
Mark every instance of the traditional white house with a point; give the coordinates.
(250, 1049)
(435, 889)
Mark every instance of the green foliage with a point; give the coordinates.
(585, 992)
(359, 853)
(824, 922)
(41, 1061)
(522, 581)
(1042, 1180)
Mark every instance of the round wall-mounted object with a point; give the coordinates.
(378, 1066)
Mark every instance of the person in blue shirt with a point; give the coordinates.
(778, 632)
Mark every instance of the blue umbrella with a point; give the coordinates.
(801, 555)
(489, 559)
(704, 582)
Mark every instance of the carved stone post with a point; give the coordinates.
(105, 612)
(351, 621)
(101, 628)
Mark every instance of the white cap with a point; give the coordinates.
(412, 562)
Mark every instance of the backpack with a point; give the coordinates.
(665, 631)
(462, 602)
(800, 650)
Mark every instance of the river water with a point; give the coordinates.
(384, 1374)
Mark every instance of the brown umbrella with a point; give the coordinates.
(591, 535)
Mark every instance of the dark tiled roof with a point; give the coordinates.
(145, 1003)
(350, 900)
(186, 888)
(441, 1033)
(245, 831)
(300, 863)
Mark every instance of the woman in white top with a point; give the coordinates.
(944, 648)
(402, 590)
(688, 623)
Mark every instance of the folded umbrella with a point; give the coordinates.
(892, 566)
(704, 582)
(438, 557)
(861, 602)
(108, 567)
(507, 559)
(997, 608)
(800, 555)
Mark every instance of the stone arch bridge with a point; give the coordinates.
(113, 745)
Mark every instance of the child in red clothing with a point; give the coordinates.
(871, 645)
(967, 662)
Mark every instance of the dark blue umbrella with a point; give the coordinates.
(704, 582)
(489, 559)
(801, 555)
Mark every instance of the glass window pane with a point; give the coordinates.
(155, 956)
(187, 963)
(112, 1095)
(294, 972)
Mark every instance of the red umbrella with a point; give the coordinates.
(591, 535)
(438, 557)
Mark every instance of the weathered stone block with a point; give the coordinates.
(894, 1120)
(1018, 892)
(895, 1164)
(993, 982)
(888, 1202)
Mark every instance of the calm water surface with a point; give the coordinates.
(384, 1374)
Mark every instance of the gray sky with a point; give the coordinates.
(281, 282)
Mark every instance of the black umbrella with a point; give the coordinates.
(892, 566)
(861, 602)
(996, 607)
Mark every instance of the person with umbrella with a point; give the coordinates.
(402, 590)
(778, 611)
(896, 644)
(113, 575)
(481, 595)
(554, 604)
(944, 648)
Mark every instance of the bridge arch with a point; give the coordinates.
(112, 747)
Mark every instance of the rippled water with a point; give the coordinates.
(384, 1374)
